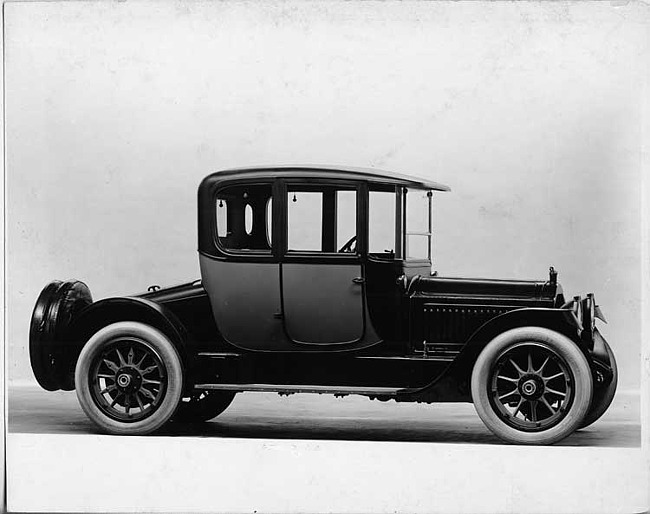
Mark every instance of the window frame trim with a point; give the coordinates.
(428, 234)
(245, 253)
(307, 256)
(397, 243)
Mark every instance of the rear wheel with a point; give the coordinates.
(129, 378)
(203, 406)
(531, 385)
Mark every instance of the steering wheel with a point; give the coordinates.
(350, 246)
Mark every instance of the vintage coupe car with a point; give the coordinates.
(317, 279)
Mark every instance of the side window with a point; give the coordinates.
(321, 219)
(381, 223)
(305, 222)
(243, 215)
(346, 218)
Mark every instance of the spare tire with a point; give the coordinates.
(51, 353)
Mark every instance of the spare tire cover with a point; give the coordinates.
(50, 353)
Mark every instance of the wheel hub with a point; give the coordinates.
(128, 380)
(531, 387)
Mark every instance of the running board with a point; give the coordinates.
(272, 388)
(418, 356)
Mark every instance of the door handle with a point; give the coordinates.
(358, 280)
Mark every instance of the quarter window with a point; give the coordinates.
(248, 219)
(222, 218)
(244, 218)
(269, 218)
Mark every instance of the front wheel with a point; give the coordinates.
(531, 385)
(129, 378)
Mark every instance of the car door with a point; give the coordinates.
(242, 278)
(322, 284)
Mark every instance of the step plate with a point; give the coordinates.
(302, 389)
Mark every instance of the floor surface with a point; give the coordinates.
(311, 416)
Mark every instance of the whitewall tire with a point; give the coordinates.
(129, 378)
(531, 385)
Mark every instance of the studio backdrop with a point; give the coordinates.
(533, 117)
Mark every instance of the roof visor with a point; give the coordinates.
(317, 171)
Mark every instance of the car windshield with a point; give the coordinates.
(418, 224)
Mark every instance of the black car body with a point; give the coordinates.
(318, 279)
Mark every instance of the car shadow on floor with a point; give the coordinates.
(433, 431)
(261, 416)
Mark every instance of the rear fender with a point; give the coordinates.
(112, 310)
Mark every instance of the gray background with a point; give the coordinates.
(534, 117)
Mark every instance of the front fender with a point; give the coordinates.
(560, 320)
(604, 364)
(453, 384)
(600, 348)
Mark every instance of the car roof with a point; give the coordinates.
(331, 172)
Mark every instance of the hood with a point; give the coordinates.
(483, 288)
